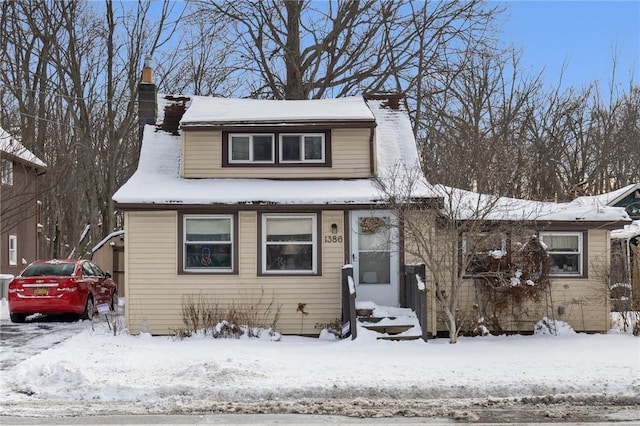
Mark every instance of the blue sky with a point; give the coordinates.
(583, 35)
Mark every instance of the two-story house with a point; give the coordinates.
(19, 171)
(266, 196)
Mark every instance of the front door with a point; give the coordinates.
(374, 256)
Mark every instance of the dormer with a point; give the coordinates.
(274, 139)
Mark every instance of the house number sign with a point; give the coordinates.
(333, 239)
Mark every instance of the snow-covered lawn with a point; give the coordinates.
(163, 374)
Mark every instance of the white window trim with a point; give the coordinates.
(13, 251)
(184, 243)
(302, 153)
(230, 137)
(314, 243)
(6, 172)
(580, 252)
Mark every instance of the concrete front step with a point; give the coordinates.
(389, 329)
(399, 338)
(374, 319)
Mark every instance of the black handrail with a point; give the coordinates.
(415, 294)
(349, 321)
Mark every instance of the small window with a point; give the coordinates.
(7, 172)
(208, 243)
(483, 251)
(565, 249)
(302, 148)
(289, 244)
(13, 250)
(248, 148)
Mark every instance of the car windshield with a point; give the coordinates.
(49, 269)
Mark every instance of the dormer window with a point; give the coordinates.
(276, 147)
(302, 148)
(251, 148)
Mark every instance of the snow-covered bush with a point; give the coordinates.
(549, 327)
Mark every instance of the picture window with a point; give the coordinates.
(289, 244)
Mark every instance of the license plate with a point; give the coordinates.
(40, 292)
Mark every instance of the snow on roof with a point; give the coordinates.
(629, 231)
(608, 199)
(105, 239)
(465, 205)
(396, 149)
(157, 179)
(11, 146)
(207, 110)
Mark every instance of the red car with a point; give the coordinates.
(68, 286)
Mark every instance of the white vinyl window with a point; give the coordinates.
(251, 148)
(13, 250)
(289, 243)
(208, 243)
(7, 172)
(302, 148)
(566, 251)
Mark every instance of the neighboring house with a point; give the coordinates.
(627, 197)
(19, 205)
(109, 255)
(625, 244)
(577, 238)
(266, 196)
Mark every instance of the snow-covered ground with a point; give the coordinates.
(97, 372)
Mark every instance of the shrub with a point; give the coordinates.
(223, 319)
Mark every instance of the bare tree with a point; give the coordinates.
(473, 133)
(71, 74)
(303, 50)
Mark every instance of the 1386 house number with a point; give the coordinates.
(333, 238)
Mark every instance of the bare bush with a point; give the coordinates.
(249, 317)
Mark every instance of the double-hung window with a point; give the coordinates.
(289, 243)
(302, 148)
(13, 250)
(208, 243)
(251, 148)
(566, 251)
(6, 172)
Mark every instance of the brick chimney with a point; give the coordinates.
(147, 98)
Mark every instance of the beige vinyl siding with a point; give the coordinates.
(151, 251)
(426, 217)
(155, 290)
(583, 299)
(350, 158)
(202, 154)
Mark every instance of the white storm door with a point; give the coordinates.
(374, 256)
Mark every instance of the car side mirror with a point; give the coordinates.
(107, 275)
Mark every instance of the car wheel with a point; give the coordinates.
(88, 309)
(18, 317)
(114, 302)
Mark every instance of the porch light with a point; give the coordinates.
(334, 228)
